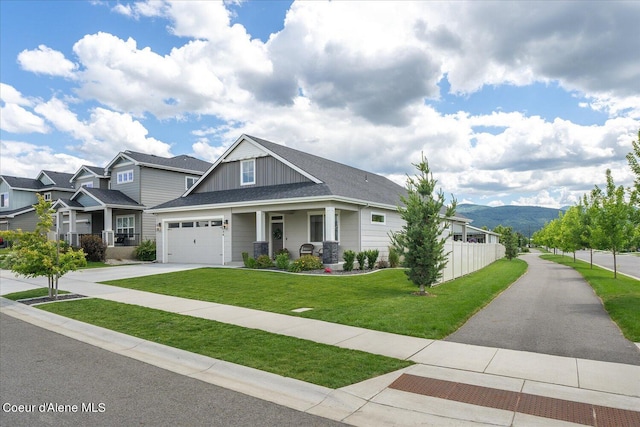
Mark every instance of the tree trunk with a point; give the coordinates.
(615, 267)
(55, 296)
(50, 284)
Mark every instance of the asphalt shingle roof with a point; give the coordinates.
(184, 162)
(61, 179)
(112, 197)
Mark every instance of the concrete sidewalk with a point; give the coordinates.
(405, 397)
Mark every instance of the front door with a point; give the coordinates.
(277, 234)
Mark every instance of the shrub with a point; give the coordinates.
(372, 257)
(94, 248)
(306, 263)
(146, 251)
(349, 257)
(361, 257)
(264, 261)
(283, 251)
(282, 260)
(394, 257)
(249, 262)
(383, 264)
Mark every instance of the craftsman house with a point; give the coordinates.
(260, 197)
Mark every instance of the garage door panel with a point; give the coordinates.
(195, 245)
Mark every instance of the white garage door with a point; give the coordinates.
(195, 242)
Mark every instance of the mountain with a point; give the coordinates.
(523, 219)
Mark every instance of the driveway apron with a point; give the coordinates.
(552, 310)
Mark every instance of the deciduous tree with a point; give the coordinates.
(35, 255)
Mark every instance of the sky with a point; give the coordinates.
(511, 103)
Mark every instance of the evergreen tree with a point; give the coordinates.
(422, 238)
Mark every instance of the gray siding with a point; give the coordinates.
(87, 201)
(18, 198)
(243, 234)
(269, 171)
(375, 235)
(158, 186)
(25, 222)
(131, 189)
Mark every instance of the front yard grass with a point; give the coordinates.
(31, 293)
(308, 361)
(621, 296)
(380, 301)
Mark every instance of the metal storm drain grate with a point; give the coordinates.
(540, 406)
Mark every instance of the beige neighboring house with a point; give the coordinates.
(110, 201)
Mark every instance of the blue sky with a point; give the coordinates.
(511, 102)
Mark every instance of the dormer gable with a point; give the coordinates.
(248, 163)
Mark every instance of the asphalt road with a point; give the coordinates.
(627, 263)
(551, 310)
(41, 367)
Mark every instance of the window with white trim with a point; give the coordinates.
(248, 172)
(47, 197)
(126, 225)
(4, 200)
(316, 227)
(189, 181)
(378, 218)
(124, 177)
(88, 184)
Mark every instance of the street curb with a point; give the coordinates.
(289, 392)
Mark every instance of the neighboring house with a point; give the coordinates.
(110, 201)
(18, 195)
(260, 197)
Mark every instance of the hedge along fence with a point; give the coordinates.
(465, 258)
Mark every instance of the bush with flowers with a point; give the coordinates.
(306, 263)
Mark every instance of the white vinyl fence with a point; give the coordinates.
(465, 258)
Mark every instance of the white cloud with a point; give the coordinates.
(14, 117)
(104, 134)
(45, 60)
(24, 159)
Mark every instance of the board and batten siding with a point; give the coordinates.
(376, 235)
(243, 234)
(269, 171)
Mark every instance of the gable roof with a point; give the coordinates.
(91, 170)
(110, 198)
(182, 163)
(15, 212)
(61, 181)
(333, 178)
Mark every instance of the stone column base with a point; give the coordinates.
(260, 248)
(330, 252)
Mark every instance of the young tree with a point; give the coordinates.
(509, 239)
(422, 238)
(35, 255)
(571, 231)
(612, 226)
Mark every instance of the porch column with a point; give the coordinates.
(330, 245)
(59, 223)
(261, 245)
(72, 234)
(107, 233)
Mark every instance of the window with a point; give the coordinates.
(316, 228)
(124, 177)
(189, 181)
(378, 218)
(47, 197)
(248, 172)
(174, 225)
(187, 224)
(88, 184)
(125, 225)
(4, 200)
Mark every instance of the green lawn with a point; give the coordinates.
(31, 293)
(308, 361)
(381, 301)
(621, 296)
